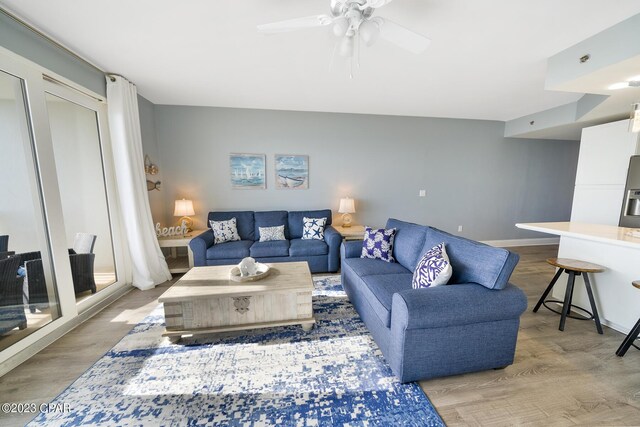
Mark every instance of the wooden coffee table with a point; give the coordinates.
(206, 301)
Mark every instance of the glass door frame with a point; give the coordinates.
(44, 170)
(61, 90)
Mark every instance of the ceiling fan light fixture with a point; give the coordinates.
(340, 26)
(369, 31)
(346, 47)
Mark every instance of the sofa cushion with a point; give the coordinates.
(368, 267)
(271, 219)
(379, 290)
(313, 228)
(230, 250)
(378, 244)
(296, 220)
(408, 243)
(270, 249)
(433, 269)
(300, 247)
(244, 222)
(473, 261)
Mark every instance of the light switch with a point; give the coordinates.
(423, 193)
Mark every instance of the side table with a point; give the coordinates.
(176, 263)
(355, 232)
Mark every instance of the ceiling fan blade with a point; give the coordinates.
(295, 24)
(402, 37)
(377, 3)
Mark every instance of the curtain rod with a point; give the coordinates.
(52, 41)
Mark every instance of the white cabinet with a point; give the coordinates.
(597, 204)
(604, 154)
(602, 172)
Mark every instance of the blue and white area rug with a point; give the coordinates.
(334, 375)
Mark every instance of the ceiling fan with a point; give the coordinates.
(350, 19)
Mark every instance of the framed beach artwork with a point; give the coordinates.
(247, 171)
(292, 172)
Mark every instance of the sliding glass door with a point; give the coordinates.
(78, 153)
(28, 295)
(61, 251)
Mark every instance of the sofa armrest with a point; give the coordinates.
(333, 240)
(199, 246)
(455, 305)
(351, 249)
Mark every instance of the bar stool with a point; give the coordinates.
(633, 334)
(573, 268)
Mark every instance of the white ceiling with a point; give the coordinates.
(487, 59)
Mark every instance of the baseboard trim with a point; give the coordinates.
(523, 242)
(26, 354)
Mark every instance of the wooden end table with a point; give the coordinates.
(179, 264)
(355, 232)
(206, 301)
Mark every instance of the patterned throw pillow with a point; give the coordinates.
(267, 234)
(224, 231)
(313, 228)
(378, 244)
(434, 269)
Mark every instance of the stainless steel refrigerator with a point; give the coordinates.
(630, 212)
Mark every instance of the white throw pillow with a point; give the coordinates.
(434, 269)
(313, 228)
(224, 231)
(268, 234)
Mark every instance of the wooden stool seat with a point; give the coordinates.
(576, 265)
(573, 268)
(633, 333)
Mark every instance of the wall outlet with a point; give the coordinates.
(423, 193)
(459, 228)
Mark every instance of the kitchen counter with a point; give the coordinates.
(596, 232)
(618, 302)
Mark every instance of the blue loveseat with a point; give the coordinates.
(469, 325)
(322, 256)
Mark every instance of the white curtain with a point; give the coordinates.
(149, 266)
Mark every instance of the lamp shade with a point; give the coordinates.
(184, 208)
(347, 205)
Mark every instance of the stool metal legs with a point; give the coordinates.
(568, 299)
(546, 291)
(592, 302)
(628, 341)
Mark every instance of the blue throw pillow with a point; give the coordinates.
(378, 244)
(313, 228)
(434, 269)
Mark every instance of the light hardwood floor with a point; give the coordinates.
(558, 378)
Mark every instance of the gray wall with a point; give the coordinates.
(150, 148)
(473, 175)
(28, 44)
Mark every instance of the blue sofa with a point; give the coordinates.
(322, 256)
(471, 324)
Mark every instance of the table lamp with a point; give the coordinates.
(184, 209)
(347, 207)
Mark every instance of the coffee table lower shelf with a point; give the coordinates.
(175, 335)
